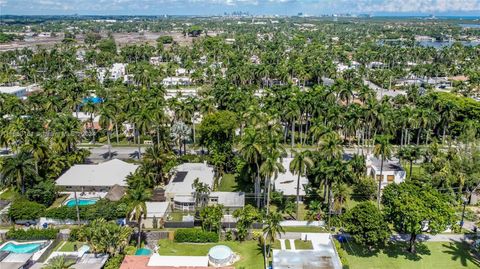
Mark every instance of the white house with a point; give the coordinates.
(183, 177)
(18, 91)
(176, 81)
(156, 211)
(392, 171)
(286, 182)
(96, 177)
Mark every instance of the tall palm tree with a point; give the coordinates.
(410, 154)
(251, 150)
(59, 262)
(138, 209)
(18, 168)
(300, 164)
(382, 150)
(36, 145)
(270, 169)
(330, 146)
(272, 228)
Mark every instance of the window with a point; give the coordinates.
(390, 178)
(380, 177)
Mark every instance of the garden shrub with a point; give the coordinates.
(114, 262)
(342, 254)
(74, 234)
(102, 209)
(43, 193)
(193, 235)
(25, 210)
(32, 234)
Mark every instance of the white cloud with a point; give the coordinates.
(309, 6)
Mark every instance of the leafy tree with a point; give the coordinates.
(414, 209)
(364, 189)
(246, 217)
(165, 39)
(367, 225)
(44, 193)
(106, 237)
(211, 216)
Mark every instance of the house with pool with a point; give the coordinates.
(15, 255)
(94, 178)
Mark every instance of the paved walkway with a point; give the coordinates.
(292, 244)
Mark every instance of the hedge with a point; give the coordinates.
(341, 254)
(25, 210)
(193, 235)
(32, 234)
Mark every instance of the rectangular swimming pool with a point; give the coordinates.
(21, 248)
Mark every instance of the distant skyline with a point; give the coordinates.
(254, 7)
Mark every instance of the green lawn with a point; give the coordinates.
(228, 183)
(69, 246)
(301, 244)
(430, 255)
(250, 252)
(59, 201)
(9, 194)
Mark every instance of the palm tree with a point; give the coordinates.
(138, 209)
(181, 133)
(38, 148)
(330, 146)
(18, 168)
(382, 150)
(59, 262)
(251, 150)
(202, 191)
(411, 154)
(272, 229)
(269, 170)
(300, 164)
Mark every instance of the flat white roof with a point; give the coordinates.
(178, 261)
(193, 171)
(12, 89)
(229, 199)
(157, 209)
(104, 174)
(287, 182)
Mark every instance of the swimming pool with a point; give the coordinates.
(81, 202)
(21, 248)
(143, 252)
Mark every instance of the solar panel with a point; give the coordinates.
(180, 176)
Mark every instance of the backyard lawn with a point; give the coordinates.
(250, 252)
(430, 255)
(227, 183)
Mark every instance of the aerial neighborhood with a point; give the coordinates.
(238, 141)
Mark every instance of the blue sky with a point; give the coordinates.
(213, 7)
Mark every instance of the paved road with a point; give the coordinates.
(405, 237)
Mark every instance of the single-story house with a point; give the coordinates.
(155, 212)
(392, 171)
(230, 200)
(286, 182)
(96, 177)
(181, 183)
